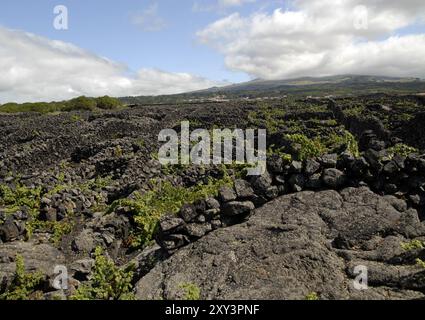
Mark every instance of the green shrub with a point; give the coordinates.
(345, 140)
(292, 127)
(355, 111)
(148, 208)
(98, 183)
(287, 158)
(30, 198)
(351, 143)
(108, 282)
(253, 118)
(40, 107)
(236, 169)
(76, 118)
(118, 152)
(312, 296)
(268, 116)
(10, 107)
(24, 284)
(413, 245)
(80, 103)
(191, 291)
(307, 148)
(14, 199)
(57, 229)
(401, 150)
(140, 142)
(420, 263)
(405, 117)
(107, 103)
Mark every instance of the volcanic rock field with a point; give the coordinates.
(84, 192)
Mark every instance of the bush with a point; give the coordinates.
(108, 282)
(268, 116)
(76, 118)
(80, 103)
(401, 150)
(14, 199)
(354, 111)
(21, 196)
(191, 291)
(307, 148)
(420, 263)
(57, 229)
(10, 108)
(312, 296)
(148, 208)
(345, 140)
(24, 284)
(413, 245)
(107, 103)
(40, 107)
(273, 151)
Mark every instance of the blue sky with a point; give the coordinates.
(151, 47)
(106, 28)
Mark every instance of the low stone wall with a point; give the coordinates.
(402, 177)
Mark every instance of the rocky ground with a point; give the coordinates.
(344, 188)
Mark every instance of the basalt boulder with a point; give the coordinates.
(297, 245)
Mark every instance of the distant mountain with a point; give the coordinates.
(305, 82)
(341, 85)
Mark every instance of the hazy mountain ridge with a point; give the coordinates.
(340, 85)
(258, 84)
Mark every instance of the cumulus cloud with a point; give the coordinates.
(33, 68)
(323, 37)
(149, 19)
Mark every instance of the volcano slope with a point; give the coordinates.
(83, 193)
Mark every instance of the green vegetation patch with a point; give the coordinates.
(307, 148)
(108, 281)
(413, 245)
(148, 208)
(401, 150)
(22, 197)
(312, 296)
(77, 104)
(30, 199)
(268, 117)
(344, 141)
(107, 103)
(24, 285)
(191, 291)
(420, 263)
(57, 229)
(354, 111)
(280, 152)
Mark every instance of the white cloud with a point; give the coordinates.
(323, 37)
(34, 68)
(233, 3)
(149, 19)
